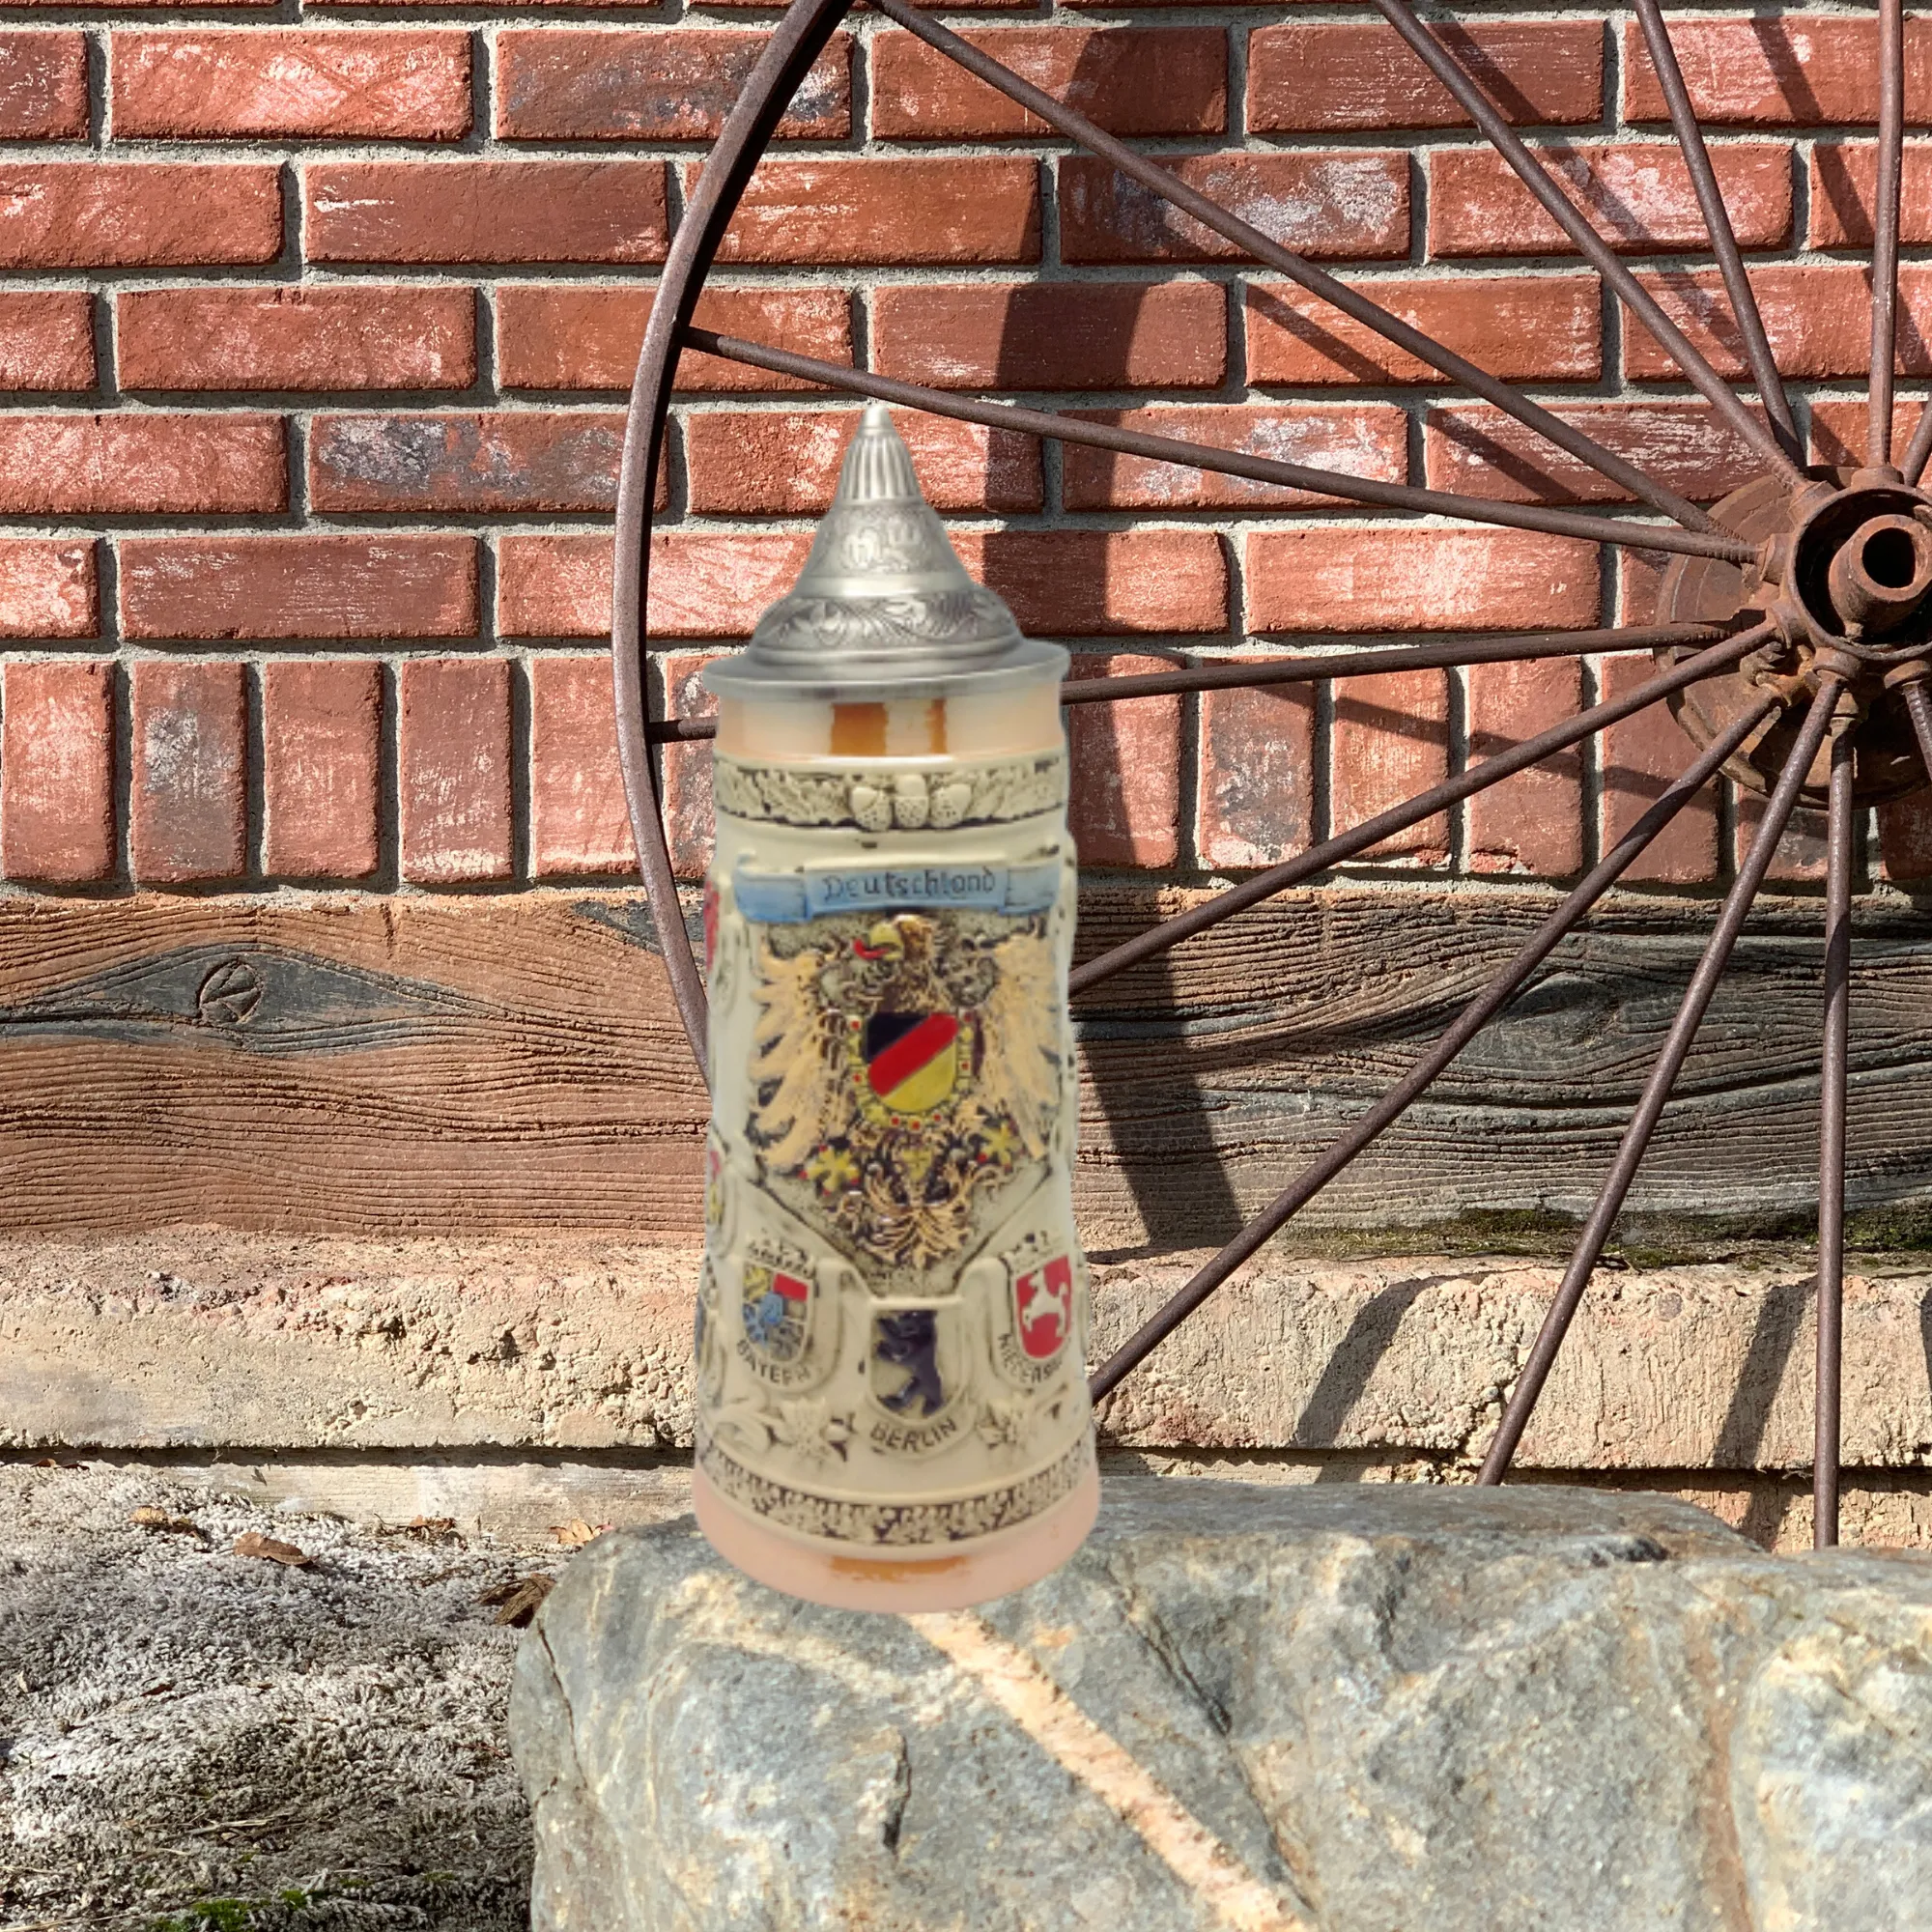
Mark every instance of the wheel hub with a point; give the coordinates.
(1851, 575)
(1844, 574)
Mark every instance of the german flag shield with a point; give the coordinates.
(911, 1060)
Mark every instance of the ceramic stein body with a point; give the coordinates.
(891, 1327)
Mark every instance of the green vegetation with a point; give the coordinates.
(1640, 1241)
(238, 1915)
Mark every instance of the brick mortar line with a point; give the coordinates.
(523, 769)
(254, 788)
(388, 777)
(646, 19)
(530, 401)
(295, 150)
(1795, 899)
(1300, 401)
(122, 775)
(447, 525)
(1368, 272)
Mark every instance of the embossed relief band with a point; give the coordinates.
(878, 798)
(897, 1523)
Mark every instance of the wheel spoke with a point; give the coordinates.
(1884, 228)
(1476, 1015)
(1664, 1074)
(1372, 831)
(1224, 461)
(1252, 672)
(1211, 215)
(1831, 1147)
(1921, 448)
(1919, 709)
(1453, 75)
(784, 62)
(1717, 225)
(1353, 662)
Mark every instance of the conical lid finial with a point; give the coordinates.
(883, 600)
(878, 465)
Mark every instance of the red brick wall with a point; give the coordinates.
(315, 336)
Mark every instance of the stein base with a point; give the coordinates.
(993, 1566)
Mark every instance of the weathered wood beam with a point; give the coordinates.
(463, 1067)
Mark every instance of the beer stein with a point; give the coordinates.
(891, 1314)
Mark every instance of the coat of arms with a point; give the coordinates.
(1043, 1308)
(900, 1069)
(905, 1363)
(778, 1300)
(914, 1374)
(774, 1309)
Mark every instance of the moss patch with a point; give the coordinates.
(240, 1915)
(1638, 1241)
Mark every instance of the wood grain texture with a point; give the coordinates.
(356, 1065)
(1214, 1075)
(422, 1066)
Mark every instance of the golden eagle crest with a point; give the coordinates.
(901, 1068)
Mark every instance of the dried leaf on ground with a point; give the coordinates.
(159, 1519)
(424, 1529)
(271, 1551)
(576, 1533)
(516, 1601)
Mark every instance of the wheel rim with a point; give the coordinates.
(1792, 635)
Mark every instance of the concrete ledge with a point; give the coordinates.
(210, 1340)
(1675, 1368)
(206, 1339)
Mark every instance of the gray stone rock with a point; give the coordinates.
(1350, 1708)
(1832, 1753)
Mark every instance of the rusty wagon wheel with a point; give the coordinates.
(1792, 635)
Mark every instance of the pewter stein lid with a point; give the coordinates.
(883, 605)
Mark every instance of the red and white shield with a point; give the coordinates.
(1043, 1307)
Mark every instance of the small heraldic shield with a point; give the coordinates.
(911, 1060)
(914, 1381)
(776, 1304)
(1043, 1307)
